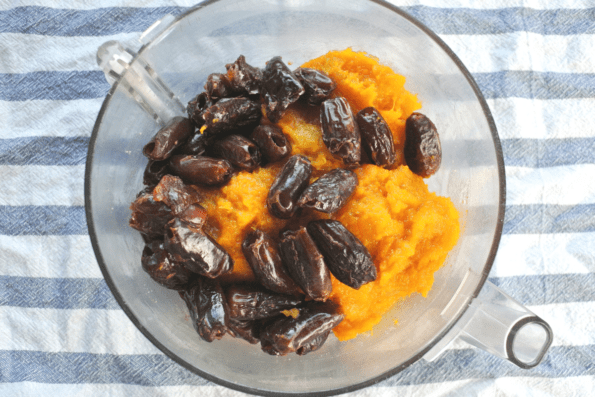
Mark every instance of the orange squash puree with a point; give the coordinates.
(407, 229)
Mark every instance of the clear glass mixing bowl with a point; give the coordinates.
(179, 53)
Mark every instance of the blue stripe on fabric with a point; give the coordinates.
(44, 150)
(158, 370)
(539, 153)
(90, 293)
(42, 220)
(91, 84)
(56, 293)
(68, 22)
(549, 219)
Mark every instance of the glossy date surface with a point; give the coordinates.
(240, 151)
(244, 79)
(168, 138)
(273, 143)
(207, 306)
(228, 114)
(377, 138)
(201, 170)
(340, 132)
(218, 86)
(280, 88)
(251, 303)
(175, 194)
(423, 151)
(288, 187)
(330, 192)
(162, 267)
(318, 85)
(149, 216)
(154, 171)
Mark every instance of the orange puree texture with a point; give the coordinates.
(408, 230)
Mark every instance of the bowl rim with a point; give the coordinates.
(483, 277)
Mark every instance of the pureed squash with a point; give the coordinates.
(407, 230)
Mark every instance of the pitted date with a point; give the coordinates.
(167, 139)
(303, 334)
(154, 171)
(245, 329)
(305, 264)
(228, 114)
(175, 194)
(197, 106)
(377, 138)
(201, 170)
(340, 132)
(149, 216)
(201, 254)
(330, 192)
(318, 85)
(162, 268)
(218, 86)
(244, 79)
(288, 186)
(240, 151)
(346, 257)
(272, 142)
(207, 305)
(251, 303)
(262, 255)
(280, 88)
(423, 152)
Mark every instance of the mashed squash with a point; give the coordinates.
(408, 230)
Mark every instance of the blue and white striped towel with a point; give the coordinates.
(63, 334)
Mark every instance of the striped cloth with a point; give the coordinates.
(63, 334)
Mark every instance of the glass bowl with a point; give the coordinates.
(183, 51)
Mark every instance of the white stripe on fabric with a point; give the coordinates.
(48, 256)
(535, 254)
(42, 185)
(60, 118)
(72, 331)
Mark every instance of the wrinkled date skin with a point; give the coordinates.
(163, 268)
(207, 305)
(377, 138)
(240, 151)
(149, 216)
(251, 303)
(167, 139)
(288, 187)
(263, 257)
(346, 257)
(196, 145)
(280, 88)
(154, 171)
(201, 254)
(247, 330)
(244, 79)
(330, 192)
(218, 86)
(229, 114)
(303, 334)
(273, 143)
(340, 132)
(194, 215)
(175, 194)
(318, 85)
(423, 152)
(201, 170)
(197, 106)
(305, 264)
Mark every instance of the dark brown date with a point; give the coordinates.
(163, 268)
(272, 142)
(262, 255)
(251, 303)
(305, 264)
(218, 86)
(280, 88)
(330, 192)
(340, 133)
(197, 106)
(318, 85)
(247, 330)
(154, 171)
(201, 170)
(194, 215)
(423, 152)
(167, 139)
(208, 308)
(196, 145)
(201, 254)
(303, 334)
(377, 138)
(228, 114)
(288, 187)
(346, 257)
(175, 194)
(244, 79)
(149, 216)
(240, 151)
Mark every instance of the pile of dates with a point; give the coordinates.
(288, 309)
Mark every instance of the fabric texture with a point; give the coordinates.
(63, 334)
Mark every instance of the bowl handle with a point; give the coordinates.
(498, 324)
